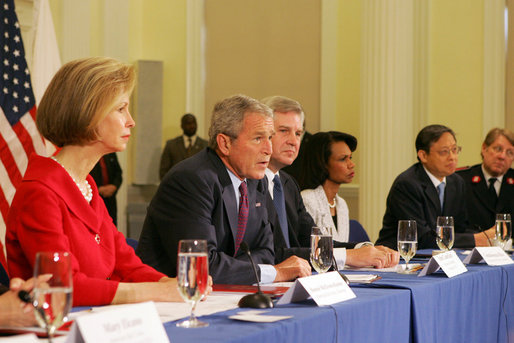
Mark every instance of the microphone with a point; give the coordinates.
(258, 299)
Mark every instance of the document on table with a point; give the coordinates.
(170, 311)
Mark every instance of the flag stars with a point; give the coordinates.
(6, 7)
(6, 34)
(15, 67)
(15, 95)
(15, 81)
(5, 90)
(17, 25)
(16, 53)
(26, 71)
(26, 99)
(6, 48)
(6, 62)
(17, 39)
(6, 76)
(15, 109)
(26, 85)
(6, 21)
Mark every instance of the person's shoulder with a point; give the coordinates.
(469, 171)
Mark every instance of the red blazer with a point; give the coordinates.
(48, 213)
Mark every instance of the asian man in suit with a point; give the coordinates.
(290, 222)
(428, 189)
(490, 185)
(218, 195)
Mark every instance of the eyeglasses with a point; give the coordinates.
(446, 152)
(499, 149)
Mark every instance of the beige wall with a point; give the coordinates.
(262, 48)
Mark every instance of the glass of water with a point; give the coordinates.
(192, 277)
(407, 242)
(321, 249)
(445, 233)
(503, 229)
(53, 296)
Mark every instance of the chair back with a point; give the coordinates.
(132, 242)
(357, 232)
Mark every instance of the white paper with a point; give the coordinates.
(361, 278)
(129, 323)
(449, 263)
(170, 311)
(325, 289)
(493, 256)
(258, 317)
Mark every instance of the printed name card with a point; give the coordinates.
(129, 323)
(26, 338)
(449, 262)
(325, 289)
(493, 256)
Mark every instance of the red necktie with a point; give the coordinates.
(105, 174)
(243, 215)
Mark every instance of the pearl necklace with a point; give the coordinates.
(85, 189)
(333, 205)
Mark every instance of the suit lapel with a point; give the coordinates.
(428, 188)
(229, 196)
(505, 192)
(59, 181)
(481, 189)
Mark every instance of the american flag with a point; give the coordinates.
(19, 136)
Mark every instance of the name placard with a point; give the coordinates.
(26, 338)
(449, 262)
(129, 323)
(325, 289)
(493, 256)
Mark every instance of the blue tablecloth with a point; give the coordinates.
(476, 306)
(367, 318)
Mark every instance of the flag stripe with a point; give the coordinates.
(9, 172)
(4, 204)
(16, 148)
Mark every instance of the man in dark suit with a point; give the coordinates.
(181, 147)
(292, 224)
(428, 189)
(217, 195)
(490, 185)
(107, 175)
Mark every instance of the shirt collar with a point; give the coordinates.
(434, 180)
(235, 183)
(487, 176)
(270, 175)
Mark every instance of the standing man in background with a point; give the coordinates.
(490, 185)
(181, 147)
(107, 176)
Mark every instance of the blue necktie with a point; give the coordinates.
(280, 206)
(440, 188)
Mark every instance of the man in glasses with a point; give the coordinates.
(428, 189)
(490, 185)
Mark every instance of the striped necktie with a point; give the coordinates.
(440, 188)
(243, 215)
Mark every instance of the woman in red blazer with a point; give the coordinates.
(84, 111)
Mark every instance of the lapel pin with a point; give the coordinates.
(476, 179)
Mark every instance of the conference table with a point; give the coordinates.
(476, 306)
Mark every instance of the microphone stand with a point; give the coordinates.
(258, 299)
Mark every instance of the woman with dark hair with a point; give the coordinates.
(327, 165)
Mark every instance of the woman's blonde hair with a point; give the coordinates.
(79, 96)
